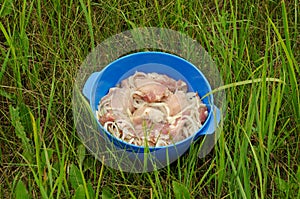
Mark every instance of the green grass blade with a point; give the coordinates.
(293, 71)
(87, 13)
(4, 64)
(6, 8)
(36, 136)
(240, 83)
(240, 185)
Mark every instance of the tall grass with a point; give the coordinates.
(43, 43)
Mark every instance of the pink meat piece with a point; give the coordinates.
(170, 83)
(152, 136)
(173, 104)
(147, 113)
(182, 86)
(134, 80)
(158, 127)
(153, 92)
(176, 102)
(124, 84)
(140, 82)
(139, 130)
(173, 130)
(107, 117)
(203, 114)
(137, 117)
(165, 129)
(120, 100)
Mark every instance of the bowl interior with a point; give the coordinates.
(163, 63)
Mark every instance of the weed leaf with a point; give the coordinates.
(281, 184)
(75, 177)
(106, 193)
(81, 153)
(21, 191)
(46, 154)
(180, 191)
(19, 130)
(79, 193)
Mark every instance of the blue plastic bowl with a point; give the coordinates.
(99, 83)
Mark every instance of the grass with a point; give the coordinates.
(43, 43)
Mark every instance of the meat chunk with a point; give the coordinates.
(147, 113)
(203, 113)
(153, 92)
(170, 83)
(176, 102)
(107, 117)
(121, 99)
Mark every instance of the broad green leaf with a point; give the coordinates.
(79, 193)
(46, 152)
(106, 193)
(180, 191)
(19, 129)
(75, 177)
(81, 153)
(20, 132)
(25, 117)
(21, 191)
